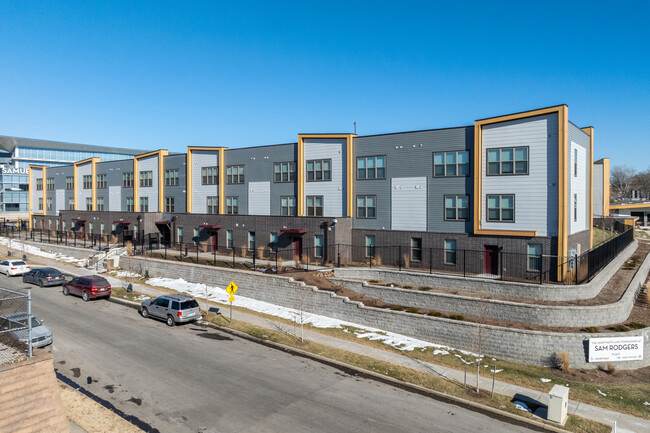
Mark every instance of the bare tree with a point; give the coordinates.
(621, 180)
(641, 182)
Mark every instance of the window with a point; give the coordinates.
(456, 208)
(416, 249)
(90, 227)
(39, 184)
(535, 257)
(71, 203)
(171, 177)
(101, 229)
(89, 203)
(209, 175)
(575, 162)
(232, 205)
(508, 160)
(87, 181)
(69, 182)
(50, 183)
(48, 203)
(129, 204)
(318, 245)
(229, 241)
(575, 207)
(314, 205)
(319, 170)
(288, 206)
(212, 204)
(40, 203)
(450, 252)
(366, 207)
(179, 231)
(284, 172)
(251, 241)
(146, 178)
(144, 204)
(235, 174)
(501, 208)
(196, 234)
(100, 204)
(127, 180)
(371, 167)
(451, 164)
(101, 181)
(274, 242)
(170, 204)
(370, 245)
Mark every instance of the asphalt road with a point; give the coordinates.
(188, 379)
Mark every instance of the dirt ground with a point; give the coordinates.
(90, 415)
(619, 377)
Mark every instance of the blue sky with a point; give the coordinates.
(165, 74)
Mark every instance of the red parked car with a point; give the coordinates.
(90, 287)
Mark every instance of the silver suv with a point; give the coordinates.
(172, 308)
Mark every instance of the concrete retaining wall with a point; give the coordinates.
(77, 253)
(532, 347)
(545, 292)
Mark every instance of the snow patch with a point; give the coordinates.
(602, 393)
(545, 380)
(496, 371)
(30, 249)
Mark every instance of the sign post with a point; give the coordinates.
(231, 289)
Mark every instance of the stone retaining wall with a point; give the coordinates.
(543, 292)
(532, 347)
(77, 253)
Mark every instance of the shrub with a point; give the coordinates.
(434, 313)
(146, 274)
(425, 288)
(619, 328)
(405, 261)
(373, 281)
(396, 308)
(610, 368)
(457, 317)
(129, 288)
(260, 252)
(636, 325)
(412, 310)
(406, 286)
(376, 260)
(563, 361)
(591, 329)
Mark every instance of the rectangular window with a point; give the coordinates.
(456, 208)
(90, 227)
(212, 205)
(69, 182)
(235, 174)
(371, 167)
(101, 181)
(451, 164)
(284, 172)
(100, 204)
(144, 204)
(575, 162)
(196, 234)
(171, 177)
(575, 207)
(274, 242)
(209, 175)
(179, 231)
(130, 204)
(288, 206)
(87, 181)
(251, 241)
(170, 204)
(127, 180)
(450, 252)
(318, 245)
(89, 203)
(50, 183)
(71, 203)
(229, 241)
(48, 203)
(232, 205)
(146, 178)
(101, 229)
(314, 205)
(370, 245)
(507, 160)
(39, 184)
(501, 208)
(366, 206)
(416, 249)
(319, 170)
(534, 257)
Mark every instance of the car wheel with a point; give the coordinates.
(145, 313)
(65, 291)
(40, 283)
(170, 320)
(84, 296)
(24, 279)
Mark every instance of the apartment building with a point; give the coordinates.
(518, 183)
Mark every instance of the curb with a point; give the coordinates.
(357, 371)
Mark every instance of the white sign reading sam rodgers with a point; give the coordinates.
(616, 349)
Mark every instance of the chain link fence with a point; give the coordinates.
(15, 328)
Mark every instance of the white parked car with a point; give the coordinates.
(13, 267)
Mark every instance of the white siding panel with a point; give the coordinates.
(409, 203)
(115, 198)
(203, 158)
(149, 163)
(536, 199)
(333, 191)
(577, 187)
(83, 194)
(59, 201)
(259, 198)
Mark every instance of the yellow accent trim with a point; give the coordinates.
(222, 175)
(351, 171)
(44, 190)
(74, 185)
(563, 187)
(589, 130)
(136, 184)
(161, 181)
(507, 233)
(29, 193)
(222, 181)
(93, 161)
(629, 206)
(300, 166)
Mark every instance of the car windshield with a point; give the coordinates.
(18, 263)
(23, 321)
(35, 322)
(190, 303)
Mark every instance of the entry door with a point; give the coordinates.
(82, 231)
(297, 246)
(214, 241)
(491, 259)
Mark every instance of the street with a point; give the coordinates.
(189, 379)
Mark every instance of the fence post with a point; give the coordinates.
(165, 251)
(276, 259)
(307, 268)
(464, 263)
(49, 240)
(254, 251)
(338, 253)
(233, 256)
(197, 253)
(576, 268)
(399, 256)
(431, 260)
(214, 255)
(541, 267)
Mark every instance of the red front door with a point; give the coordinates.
(297, 247)
(491, 259)
(214, 241)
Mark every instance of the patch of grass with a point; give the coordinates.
(434, 314)
(406, 286)
(412, 310)
(425, 288)
(457, 317)
(396, 308)
(583, 425)
(635, 325)
(619, 328)
(631, 263)
(591, 329)
(374, 281)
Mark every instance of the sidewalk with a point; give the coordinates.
(625, 423)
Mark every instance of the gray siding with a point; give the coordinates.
(179, 193)
(61, 194)
(203, 158)
(113, 193)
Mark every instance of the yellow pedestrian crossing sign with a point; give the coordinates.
(231, 289)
